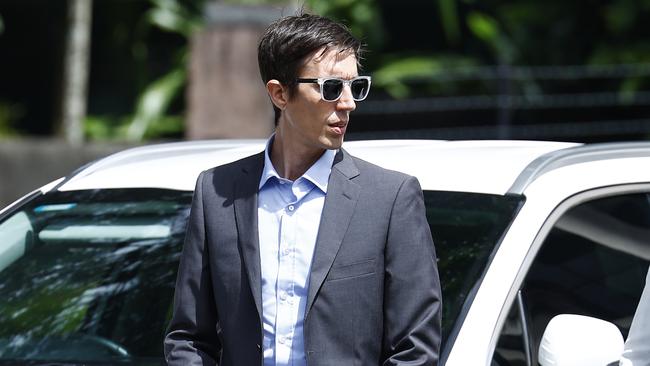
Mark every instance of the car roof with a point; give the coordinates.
(494, 167)
(475, 166)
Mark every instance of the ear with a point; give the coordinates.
(278, 93)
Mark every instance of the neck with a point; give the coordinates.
(291, 159)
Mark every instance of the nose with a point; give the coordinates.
(346, 102)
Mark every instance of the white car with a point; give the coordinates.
(525, 232)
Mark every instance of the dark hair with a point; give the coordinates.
(288, 41)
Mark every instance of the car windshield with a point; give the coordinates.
(89, 275)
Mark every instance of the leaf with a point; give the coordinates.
(394, 75)
(166, 126)
(97, 127)
(169, 21)
(449, 19)
(171, 16)
(411, 67)
(154, 102)
(483, 26)
(105, 127)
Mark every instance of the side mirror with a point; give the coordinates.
(577, 340)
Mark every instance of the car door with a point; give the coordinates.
(591, 258)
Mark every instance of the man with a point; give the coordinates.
(302, 254)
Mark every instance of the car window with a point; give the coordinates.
(89, 275)
(466, 228)
(593, 262)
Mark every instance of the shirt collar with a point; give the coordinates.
(269, 171)
(318, 173)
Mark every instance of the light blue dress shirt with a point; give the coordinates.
(288, 214)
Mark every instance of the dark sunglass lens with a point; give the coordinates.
(359, 88)
(332, 89)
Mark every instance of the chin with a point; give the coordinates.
(333, 143)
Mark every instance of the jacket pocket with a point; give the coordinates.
(351, 270)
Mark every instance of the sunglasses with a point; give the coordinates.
(332, 88)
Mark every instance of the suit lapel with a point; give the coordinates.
(246, 190)
(340, 201)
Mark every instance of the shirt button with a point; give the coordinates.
(291, 208)
(283, 296)
(286, 251)
(281, 340)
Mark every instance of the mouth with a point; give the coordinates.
(339, 127)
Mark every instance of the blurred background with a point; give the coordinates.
(80, 79)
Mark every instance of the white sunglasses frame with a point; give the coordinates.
(321, 81)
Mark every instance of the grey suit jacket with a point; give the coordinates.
(374, 292)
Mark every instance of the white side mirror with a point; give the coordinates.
(577, 340)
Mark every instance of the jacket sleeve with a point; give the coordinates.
(191, 337)
(412, 295)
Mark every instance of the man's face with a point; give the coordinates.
(310, 121)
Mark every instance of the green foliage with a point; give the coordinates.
(620, 16)
(475, 33)
(172, 16)
(487, 29)
(628, 89)
(449, 19)
(483, 26)
(9, 114)
(606, 54)
(625, 54)
(255, 2)
(522, 32)
(397, 75)
(151, 118)
(361, 16)
(153, 103)
(106, 127)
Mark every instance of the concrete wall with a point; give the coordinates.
(27, 164)
(226, 97)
